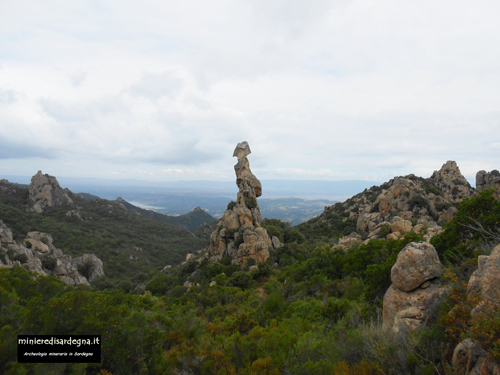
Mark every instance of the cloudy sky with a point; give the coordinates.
(163, 90)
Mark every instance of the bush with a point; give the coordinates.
(48, 262)
(251, 203)
(240, 279)
(231, 205)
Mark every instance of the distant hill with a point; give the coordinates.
(190, 221)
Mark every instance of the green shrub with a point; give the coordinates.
(49, 262)
(231, 205)
(251, 203)
(240, 279)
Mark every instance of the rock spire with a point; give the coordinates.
(239, 233)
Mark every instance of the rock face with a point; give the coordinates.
(239, 233)
(45, 192)
(470, 359)
(485, 281)
(38, 254)
(491, 180)
(414, 296)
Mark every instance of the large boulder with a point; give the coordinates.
(403, 311)
(413, 299)
(416, 263)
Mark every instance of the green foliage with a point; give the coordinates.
(49, 262)
(462, 234)
(240, 279)
(251, 203)
(231, 205)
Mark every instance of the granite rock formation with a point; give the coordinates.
(414, 296)
(491, 180)
(45, 192)
(239, 233)
(37, 253)
(484, 283)
(405, 204)
(470, 359)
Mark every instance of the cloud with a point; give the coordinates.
(14, 150)
(7, 96)
(154, 86)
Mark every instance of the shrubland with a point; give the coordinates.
(310, 309)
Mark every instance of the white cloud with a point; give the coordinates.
(345, 89)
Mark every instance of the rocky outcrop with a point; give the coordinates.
(491, 180)
(45, 192)
(470, 359)
(484, 283)
(451, 183)
(414, 296)
(404, 204)
(38, 254)
(239, 233)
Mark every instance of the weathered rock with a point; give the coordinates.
(451, 183)
(94, 265)
(5, 234)
(416, 263)
(276, 242)
(410, 310)
(41, 256)
(485, 281)
(45, 192)
(491, 180)
(400, 225)
(238, 232)
(470, 359)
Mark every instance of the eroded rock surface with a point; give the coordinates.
(416, 292)
(45, 192)
(239, 233)
(37, 253)
(488, 180)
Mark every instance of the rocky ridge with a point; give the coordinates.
(239, 233)
(37, 253)
(403, 204)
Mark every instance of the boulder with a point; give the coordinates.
(406, 311)
(416, 263)
(401, 225)
(470, 359)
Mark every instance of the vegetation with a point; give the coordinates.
(310, 309)
(108, 231)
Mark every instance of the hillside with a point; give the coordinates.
(378, 302)
(131, 246)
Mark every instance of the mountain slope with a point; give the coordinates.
(130, 245)
(416, 202)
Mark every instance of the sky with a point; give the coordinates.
(322, 90)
